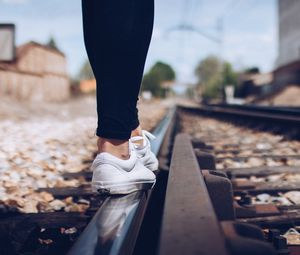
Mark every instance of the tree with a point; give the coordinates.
(163, 71)
(252, 70)
(158, 74)
(151, 83)
(213, 76)
(52, 43)
(208, 69)
(86, 72)
(229, 75)
(209, 74)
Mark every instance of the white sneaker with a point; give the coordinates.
(144, 153)
(112, 175)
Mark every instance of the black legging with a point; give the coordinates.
(117, 34)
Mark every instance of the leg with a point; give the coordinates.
(117, 34)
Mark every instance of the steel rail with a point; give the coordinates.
(253, 114)
(190, 225)
(285, 124)
(290, 110)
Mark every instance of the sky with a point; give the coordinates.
(248, 36)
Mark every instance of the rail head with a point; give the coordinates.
(189, 225)
(287, 110)
(258, 114)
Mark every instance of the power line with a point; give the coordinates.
(194, 10)
(231, 7)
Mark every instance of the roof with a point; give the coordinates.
(263, 79)
(22, 50)
(290, 67)
(259, 79)
(288, 95)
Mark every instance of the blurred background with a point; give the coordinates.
(199, 48)
(238, 51)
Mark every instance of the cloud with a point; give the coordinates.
(249, 36)
(157, 33)
(14, 1)
(252, 49)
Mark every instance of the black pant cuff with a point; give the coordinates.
(113, 135)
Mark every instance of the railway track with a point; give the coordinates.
(217, 192)
(102, 223)
(284, 121)
(258, 172)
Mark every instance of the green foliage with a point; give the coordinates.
(86, 72)
(229, 75)
(151, 83)
(209, 74)
(153, 80)
(52, 43)
(213, 76)
(164, 72)
(208, 68)
(213, 88)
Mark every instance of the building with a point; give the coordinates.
(288, 32)
(281, 87)
(288, 62)
(38, 73)
(255, 84)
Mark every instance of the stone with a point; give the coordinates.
(47, 197)
(57, 205)
(293, 196)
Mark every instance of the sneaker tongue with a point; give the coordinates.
(136, 141)
(145, 138)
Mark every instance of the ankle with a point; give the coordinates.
(118, 148)
(137, 131)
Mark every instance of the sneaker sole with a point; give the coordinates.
(121, 189)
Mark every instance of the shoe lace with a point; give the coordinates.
(149, 135)
(145, 134)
